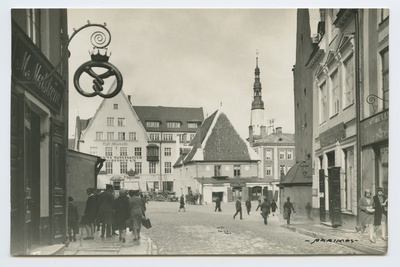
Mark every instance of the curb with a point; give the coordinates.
(356, 246)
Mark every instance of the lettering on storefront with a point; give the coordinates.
(122, 158)
(30, 65)
(115, 143)
(332, 135)
(375, 129)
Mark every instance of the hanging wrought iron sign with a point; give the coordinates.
(100, 40)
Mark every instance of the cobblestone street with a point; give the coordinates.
(201, 231)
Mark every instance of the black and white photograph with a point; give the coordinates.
(205, 130)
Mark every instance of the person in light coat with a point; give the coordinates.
(366, 208)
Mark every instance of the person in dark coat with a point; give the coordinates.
(287, 208)
(265, 208)
(73, 219)
(248, 206)
(121, 214)
(238, 208)
(366, 214)
(217, 204)
(144, 200)
(136, 213)
(380, 215)
(182, 204)
(105, 215)
(89, 216)
(259, 203)
(273, 207)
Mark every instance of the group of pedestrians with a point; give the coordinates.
(110, 212)
(373, 214)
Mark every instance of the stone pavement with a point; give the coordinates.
(111, 246)
(349, 238)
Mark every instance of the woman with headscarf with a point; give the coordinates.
(365, 205)
(121, 214)
(136, 212)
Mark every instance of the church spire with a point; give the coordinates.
(257, 102)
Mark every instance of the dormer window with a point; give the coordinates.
(173, 124)
(153, 124)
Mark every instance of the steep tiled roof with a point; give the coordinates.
(218, 141)
(275, 138)
(169, 114)
(85, 123)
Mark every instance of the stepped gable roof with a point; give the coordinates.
(275, 138)
(218, 141)
(169, 114)
(300, 173)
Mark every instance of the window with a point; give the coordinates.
(192, 135)
(115, 106)
(349, 82)
(132, 136)
(109, 167)
(110, 135)
(153, 124)
(109, 151)
(121, 121)
(268, 170)
(123, 166)
(217, 170)
(290, 154)
(154, 137)
(385, 78)
(138, 167)
(282, 154)
(138, 151)
(383, 14)
(173, 124)
(110, 121)
(121, 136)
(167, 167)
(236, 170)
(348, 178)
(268, 154)
(152, 167)
(93, 150)
(192, 125)
(334, 94)
(123, 151)
(168, 137)
(167, 151)
(323, 106)
(99, 135)
(33, 25)
(182, 137)
(282, 169)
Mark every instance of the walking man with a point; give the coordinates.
(287, 210)
(217, 204)
(380, 215)
(265, 206)
(106, 212)
(182, 204)
(273, 207)
(248, 206)
(238, 208)
(73, 219)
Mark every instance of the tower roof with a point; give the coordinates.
(257, 101)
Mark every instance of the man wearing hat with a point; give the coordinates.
(238, 208)
(380, 215)
(105, 214)
(365, 205)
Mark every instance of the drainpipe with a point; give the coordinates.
(358, 103)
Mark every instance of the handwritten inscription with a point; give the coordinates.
(332, 240)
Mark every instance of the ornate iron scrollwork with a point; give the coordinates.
(371, 99)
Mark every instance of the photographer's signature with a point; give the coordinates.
(332, 240)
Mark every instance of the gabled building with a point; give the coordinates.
(139, 144)
(218, 162)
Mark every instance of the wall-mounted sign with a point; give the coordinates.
(115, 143)
(332, 135)
(375, 129)
(122, 158)
(31, 68)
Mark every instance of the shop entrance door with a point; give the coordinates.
(322, 213)
(335, 209)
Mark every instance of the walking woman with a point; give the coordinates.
(136, 212)
(121, 214)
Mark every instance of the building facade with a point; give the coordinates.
(39, 127)
(139, 143)
(350, 136)
(218, 163)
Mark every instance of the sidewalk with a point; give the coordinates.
(324, 233)
(111, 246)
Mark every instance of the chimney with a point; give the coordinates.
(251, 140)
(129, 98)
(278, 130)
(263, 131)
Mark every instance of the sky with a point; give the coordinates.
(194, 58)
